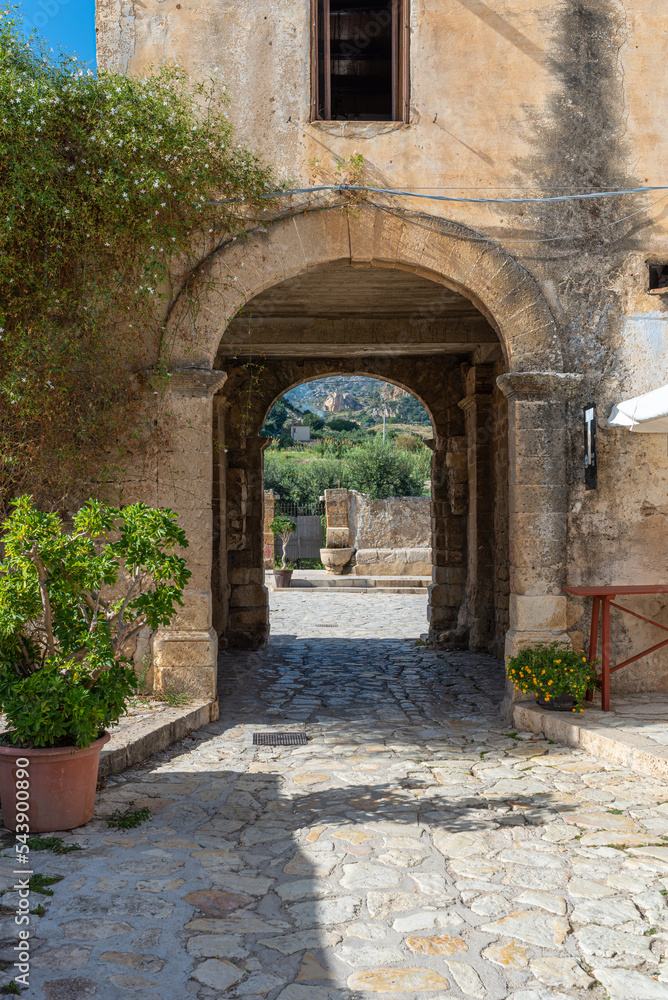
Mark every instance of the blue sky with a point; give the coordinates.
(66, 24)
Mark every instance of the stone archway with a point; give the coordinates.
(497, 284)
(536, 388)
(240, 608)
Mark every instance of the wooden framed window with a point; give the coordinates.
(359, 60)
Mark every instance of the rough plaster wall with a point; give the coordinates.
(395, 523)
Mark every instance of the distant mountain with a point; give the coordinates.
(359, 396)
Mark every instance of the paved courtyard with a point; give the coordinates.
(415, 847)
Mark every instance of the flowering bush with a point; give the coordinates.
(105, 184)
(549, 671)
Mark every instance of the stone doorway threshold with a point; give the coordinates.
(633, 734)
(306, 579)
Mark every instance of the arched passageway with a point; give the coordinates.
(455, 320)
(414, 333)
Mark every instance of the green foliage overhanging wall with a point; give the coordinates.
(104, 182)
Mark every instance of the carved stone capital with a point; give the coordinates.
(193, 381)
(539, 385)
(478, 401)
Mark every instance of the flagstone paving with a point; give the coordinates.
(414, 848)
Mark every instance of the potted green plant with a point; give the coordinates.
(283, 528)
(70, 604)
(556, 674)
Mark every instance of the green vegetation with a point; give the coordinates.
(55, 844)
(40, 883)
(69, 604)
(381, 470)
(107, 185)
(175, 699)
(128, 819)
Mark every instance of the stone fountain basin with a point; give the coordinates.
(335, 560)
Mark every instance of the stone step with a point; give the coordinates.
(633, 734)
(306, 579)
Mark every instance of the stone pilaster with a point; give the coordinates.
(248, 622)
(448, 532)
(477, 407)
(538, 434)
(267, 535)
(185, 653)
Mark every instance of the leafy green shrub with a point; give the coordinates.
(69, 604)
(300, 482)
(549, 671)
(341, 424)
(381, 470)
(106, 191)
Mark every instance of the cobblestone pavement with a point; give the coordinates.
(414, 848)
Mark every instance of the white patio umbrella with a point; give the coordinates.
(646, 414)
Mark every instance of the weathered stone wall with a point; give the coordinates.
(392, 537)
(395, 523)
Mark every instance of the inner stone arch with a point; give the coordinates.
(396, 326)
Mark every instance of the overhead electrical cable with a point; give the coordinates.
(402, 213)
(446, 197)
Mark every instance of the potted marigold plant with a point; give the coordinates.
(70, 602)
(283, 528)
(558, 676)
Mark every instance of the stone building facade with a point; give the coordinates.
(504, 318)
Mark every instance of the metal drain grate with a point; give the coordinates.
(279, 739)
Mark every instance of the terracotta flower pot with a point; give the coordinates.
(564, 702)
(62, 783)
(283, 577)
